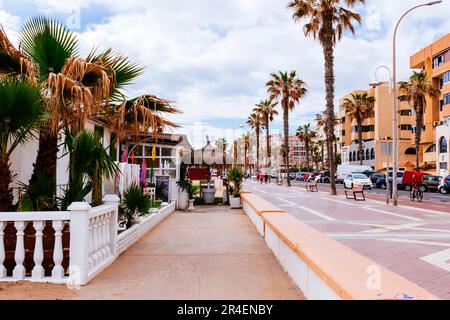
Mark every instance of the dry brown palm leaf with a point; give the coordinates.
(13, 61)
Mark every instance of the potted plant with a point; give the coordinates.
(235, 176)
(183, 185)
(192, 190)
(134, 204)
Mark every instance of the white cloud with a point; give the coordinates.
(214, 57)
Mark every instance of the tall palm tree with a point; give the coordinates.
(20, 113)
(246, 149)
(255, 122)
(328, 19)
(360, 107)
(321, 144)
(287, 88)
(305, 134)
(416, 90)
(89, 164)
(267, 110)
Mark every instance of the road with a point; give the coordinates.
(413, 241)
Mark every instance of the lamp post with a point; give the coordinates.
(388, 144)
(395, 119)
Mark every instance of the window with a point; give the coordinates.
(372, 154)
(403, 98)
(443, 147)
(443, 165)
(431, 149)
(343, 133)
(445, 78)
(351, 157)
(405, 127)
(439, 60)
(354, 156)
(367, 154)
(405, 112)
(410, 151)
(446, 99)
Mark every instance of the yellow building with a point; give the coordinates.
(377, 131)
(435, 60)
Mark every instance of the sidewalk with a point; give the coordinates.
(213, 253)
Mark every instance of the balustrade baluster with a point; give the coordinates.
(108, 235)
(91, 244)
(96, 241)
(2, 251)
(104, 240)
(38, 271)
(19, 256)
(58, 270)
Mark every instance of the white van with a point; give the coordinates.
(344, 170)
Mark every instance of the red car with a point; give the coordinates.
(411, 177)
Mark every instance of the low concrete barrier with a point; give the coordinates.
(255, 207)
(323, 268)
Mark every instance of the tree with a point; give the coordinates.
(287, 88)
(321, 144)
(416, 90)
(20, 114)
(223, 144)
(267, 110)
(360, 107)
(255, 122)
(328, 19)
(305, 134)
(89, 164)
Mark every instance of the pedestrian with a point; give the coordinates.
(266, 178)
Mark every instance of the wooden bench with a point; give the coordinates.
(312, 187)
(358, 189)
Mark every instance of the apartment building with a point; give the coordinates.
(297, 151)
(378, 131)
(435, 60)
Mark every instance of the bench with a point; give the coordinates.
(358, 189)
(312, 187)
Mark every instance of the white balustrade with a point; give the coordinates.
(94, 242)
(58, 255)
(38, 271)
(19, 256)
(2, 251)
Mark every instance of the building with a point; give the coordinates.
(297, 151)
(377, 131)
(435, 60)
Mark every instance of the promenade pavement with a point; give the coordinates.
(411, 241)
(212, 253)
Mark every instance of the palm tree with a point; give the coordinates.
(246, 149)
(328, 19)
(360, 107)
(305, 134)
(255, 122)
(321, 144)
(267, 110)
(20, 113)
(289, 90)
(416, 91)
(222, 143)
(89, 164)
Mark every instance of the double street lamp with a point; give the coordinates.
(395, 120)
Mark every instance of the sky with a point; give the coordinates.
(214, 57)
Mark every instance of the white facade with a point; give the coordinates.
(442, 148)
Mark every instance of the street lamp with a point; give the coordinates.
(395, 119)
(388, 144)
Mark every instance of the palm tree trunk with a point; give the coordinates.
(257, 148)
(418, 137)
(286, 142)
(97, 187)
(6, 196)
(360, 142)
(328, 51)
(46, 161)
(307, 152)
(322, 154)
(269, 152)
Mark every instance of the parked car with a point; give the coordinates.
(344, 170)
(381, 183)
(377, 175)
(444, 186)
(324, 177)
(292, 175)
(274, 175)
(359, 178)
(408, 179)
(430, 183)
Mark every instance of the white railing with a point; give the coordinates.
(20, 220)
(94, 243)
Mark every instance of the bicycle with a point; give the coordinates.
(416, 194)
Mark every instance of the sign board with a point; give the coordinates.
(162, 188)
(195, 174)
(386, 148)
